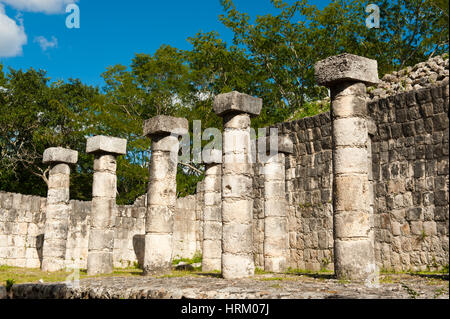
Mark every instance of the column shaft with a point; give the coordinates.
(212, 219)
(237, 201)
(353, 222)
(103, 213)
(57, 218)
(275, 219)
(161, 204)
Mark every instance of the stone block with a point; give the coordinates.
(158, 253)
(101, 240)
(352, 224)
(106, 145)
(212, 156)
(350, 132)
(348, 105)
(275, 264)
(214, 248)
(59, 155)
(238, 103)
(237, 266)
(281, 144)
(212, 230)
(160, 219)
(103, 212)
(354, 259)
(236, 186)
(275, 208)
(165, 125)
(237, 238)
(346, 68)
(351, 160)
(430, 228)
(239, 211)
(105, 163)
(99, 263)
(351, 193)
(104, 185)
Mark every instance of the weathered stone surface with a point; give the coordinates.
(58, 210)
(106, 144)
(212, 156)
(165, 125)
(236, 102)
(281, 144)
(158, 253)
(355, 260)
(99, 262)
(161, 194)
(210, 287)
(237, 266)
(346, 67)
(59, 155)
(212, 218)
(423, 75)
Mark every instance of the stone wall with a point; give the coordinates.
(22, 220)
(410, 171)
(309, 193)
(410, 182)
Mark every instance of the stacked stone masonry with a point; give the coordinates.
(22, 222)
(409, 138)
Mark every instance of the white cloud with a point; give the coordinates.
(46, 44)
(45, 6)
(12, 36)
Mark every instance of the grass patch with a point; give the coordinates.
(386, 280)
(292, 271)
(197, 258)
(27, 275)
(443, 271)
(277, 286)
(259, 271)
(273, 279)
(179, 273)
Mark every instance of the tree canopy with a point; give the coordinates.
(271, 56)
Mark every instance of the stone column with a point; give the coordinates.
(347, 75)
(275, 203)
(237, 201)
(58, 207)
(164, 132)
(103, 209)
(212, 214)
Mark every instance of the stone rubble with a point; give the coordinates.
(422, 75)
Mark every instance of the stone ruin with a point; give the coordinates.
(361, 188)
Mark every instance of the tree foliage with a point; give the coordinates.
(271, 56)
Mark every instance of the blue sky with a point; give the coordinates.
(111, 32)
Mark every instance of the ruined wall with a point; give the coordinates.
(410, 171)
(309, 194)
(22, 220)
(410, 174)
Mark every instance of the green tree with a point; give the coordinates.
(36, 114)
(287, 45)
